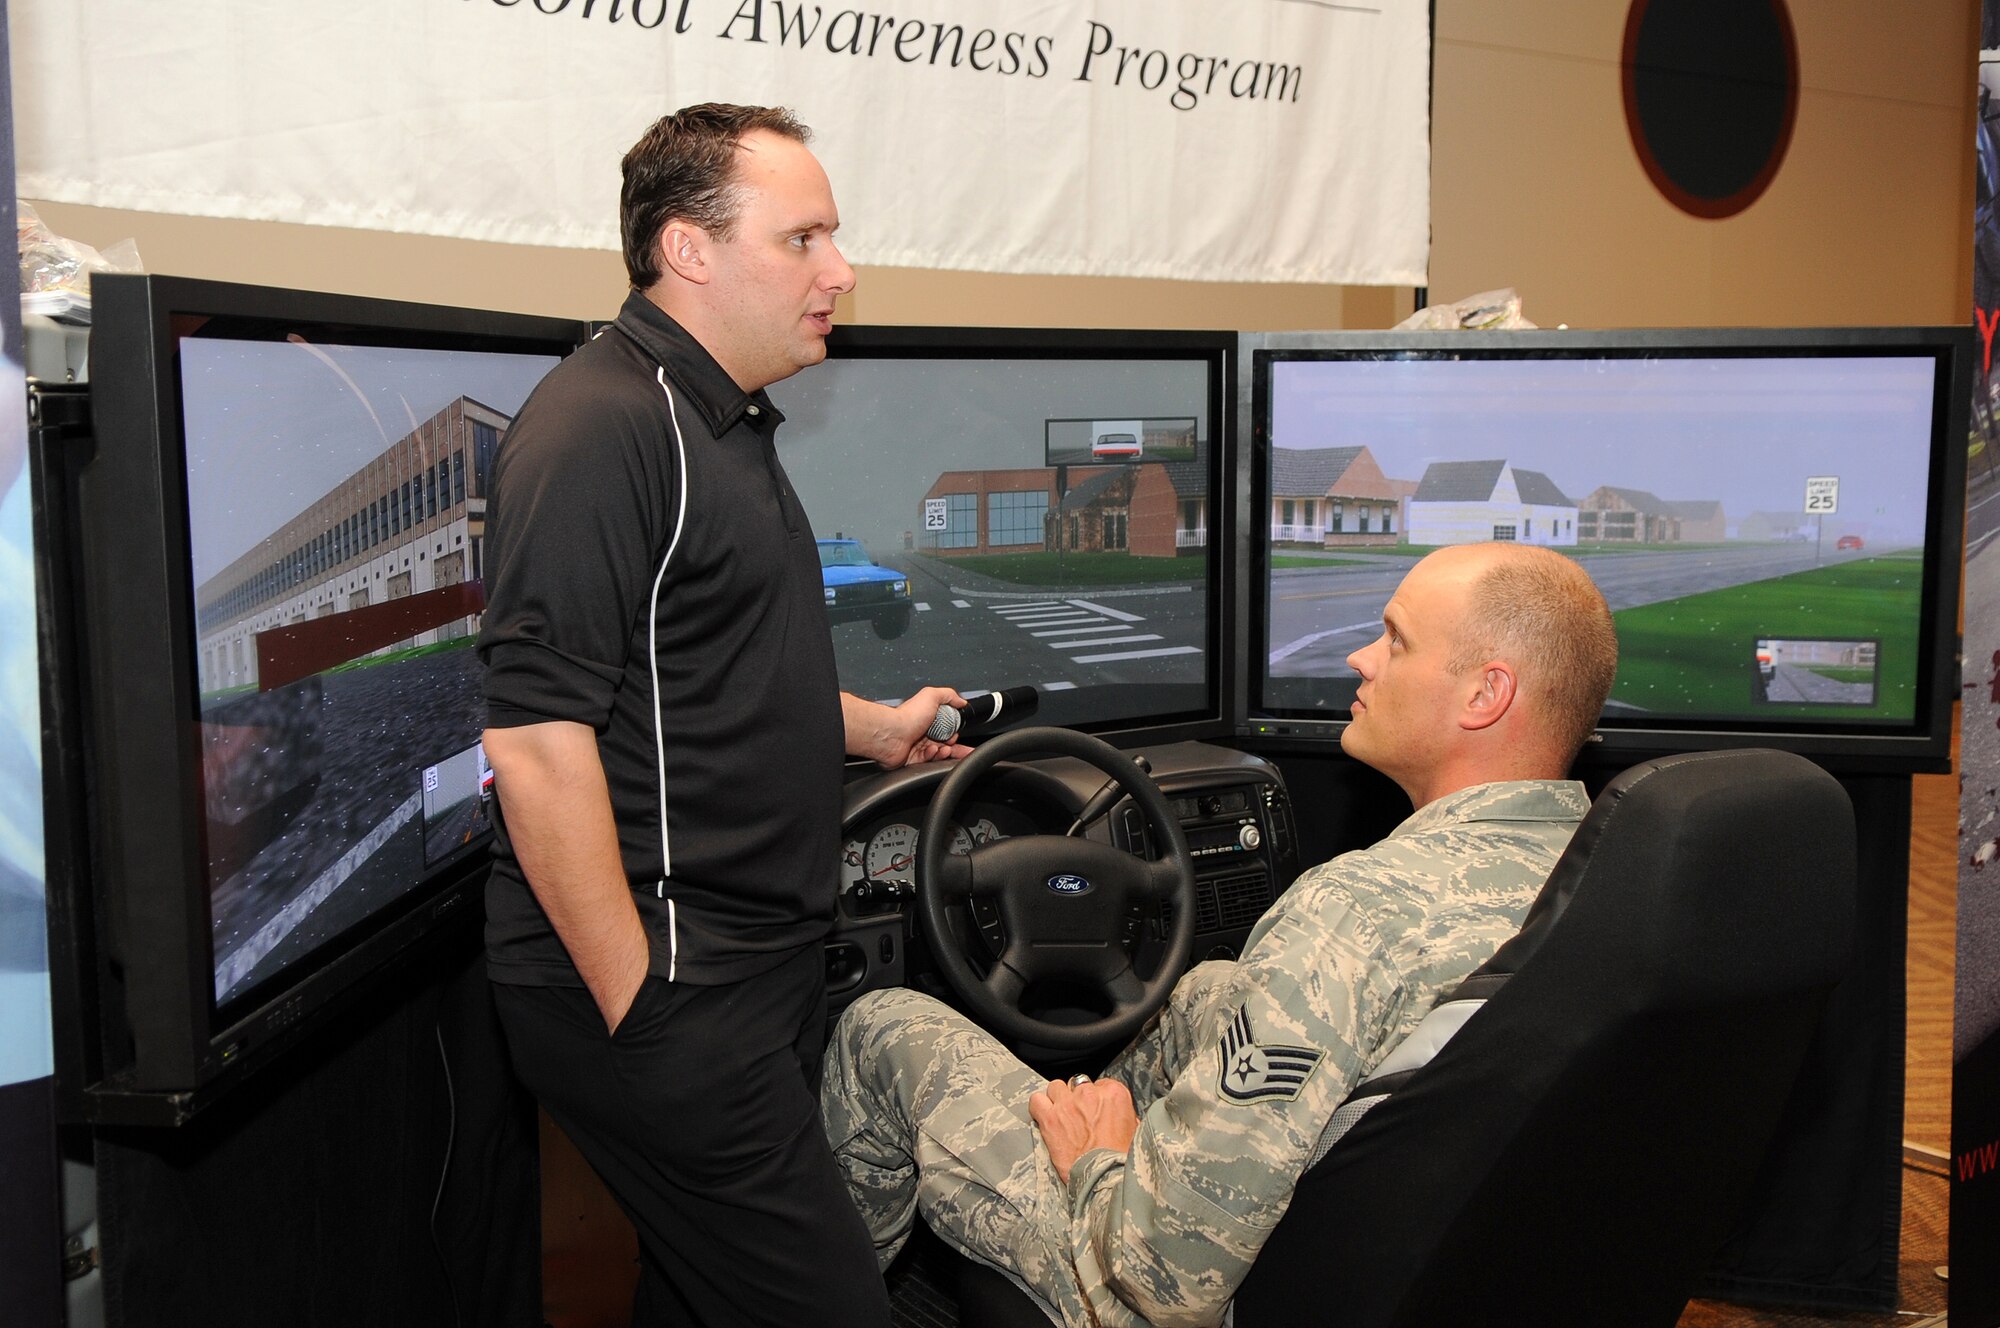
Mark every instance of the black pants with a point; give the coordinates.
(701, 1115)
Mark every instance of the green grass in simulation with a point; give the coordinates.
(1279, 560)
(1693, 656)
(1081, 569)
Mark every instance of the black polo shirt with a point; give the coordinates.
(636, 445)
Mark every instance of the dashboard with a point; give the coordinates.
(878, 861)
(1232, 807)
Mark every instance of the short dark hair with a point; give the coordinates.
(685, 166)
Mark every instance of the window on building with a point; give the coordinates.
(485, 438)
(1363, 513)
(961, 523)
(1287, 513)
(1312, 512)
(457, 478)
(1388, 520)
(1016, 518)
(1336, 517)
(1503, 532)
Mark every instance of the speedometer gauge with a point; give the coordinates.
(891, 853)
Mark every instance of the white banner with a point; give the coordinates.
(1254, 140)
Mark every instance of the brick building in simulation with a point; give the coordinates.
(408, 523)
(1335, 497)
(1149, 509)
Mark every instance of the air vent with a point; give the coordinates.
(1226, 903)
(1206, 912)
(1240, 899)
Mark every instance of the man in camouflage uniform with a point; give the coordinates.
(1144, 1196)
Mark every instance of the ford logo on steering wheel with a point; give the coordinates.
(1068, 883)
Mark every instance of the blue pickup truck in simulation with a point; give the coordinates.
(857, 590)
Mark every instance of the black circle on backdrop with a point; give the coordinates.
(1711, 94)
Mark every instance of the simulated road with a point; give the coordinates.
(356, 845)
(1796, 682)
(967, 632)
(1320, 616)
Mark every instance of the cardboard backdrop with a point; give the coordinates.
(1260, 140)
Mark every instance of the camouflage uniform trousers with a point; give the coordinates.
(927, 1113)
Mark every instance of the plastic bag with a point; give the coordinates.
(55, 273)
(1494, 309)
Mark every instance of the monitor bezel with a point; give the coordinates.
(1218, 717)
(159, 1035)
(1921, 746)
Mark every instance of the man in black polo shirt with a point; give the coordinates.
(667, 737)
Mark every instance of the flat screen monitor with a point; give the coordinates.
(1008, 508)
(1774, 516)
(277, 580)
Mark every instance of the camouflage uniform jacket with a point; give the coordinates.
(1232, 1104)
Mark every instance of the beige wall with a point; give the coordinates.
(1535, 186)
(577, 283)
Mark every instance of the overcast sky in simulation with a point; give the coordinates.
(1746, 431)
(273, 426)
(864, 438)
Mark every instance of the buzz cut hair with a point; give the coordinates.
(684, 167)
(1541, 612)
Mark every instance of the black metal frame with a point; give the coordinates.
(1921, 746)
(140, 1037)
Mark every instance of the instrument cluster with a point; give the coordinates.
(879, 860)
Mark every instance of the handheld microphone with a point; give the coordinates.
(983, 712)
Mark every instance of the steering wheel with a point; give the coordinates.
(1063, 901)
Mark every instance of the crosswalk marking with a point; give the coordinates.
(1136, 654)
(1109, 613)
(1106, 640)
(1080, 624)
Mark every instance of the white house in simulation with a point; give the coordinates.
(1465, 502)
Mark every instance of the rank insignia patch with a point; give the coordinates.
(1253, 1072)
